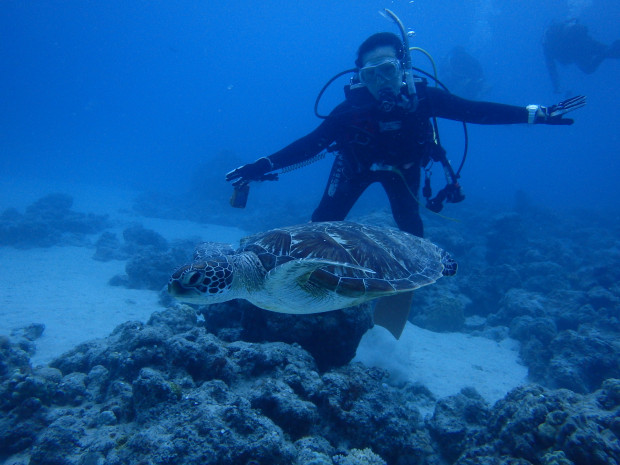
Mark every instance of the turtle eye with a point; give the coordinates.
(191, 278)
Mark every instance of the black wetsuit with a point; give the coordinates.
(386, 147)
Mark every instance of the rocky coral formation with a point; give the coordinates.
(150, 258)
(332, 337)
(170, 392)
(537, 425)
(48, 221)
(547, 280)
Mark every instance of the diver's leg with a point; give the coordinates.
(344, 187)
(402, 191)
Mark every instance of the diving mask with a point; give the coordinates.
(387, 69)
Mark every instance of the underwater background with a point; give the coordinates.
(146, 93)
(119, 122)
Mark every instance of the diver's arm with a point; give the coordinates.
(299, 151)
(311, 144)
(303, 148)
(446, 105)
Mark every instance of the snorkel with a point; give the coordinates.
(407, 66)
(452, 192)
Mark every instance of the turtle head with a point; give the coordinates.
(449, 264)
(203, 282)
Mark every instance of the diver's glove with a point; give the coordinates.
(256, 171)
(537, 114)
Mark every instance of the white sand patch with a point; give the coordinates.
(445, 362)
(68, 291)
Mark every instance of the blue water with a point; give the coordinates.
(140, 93)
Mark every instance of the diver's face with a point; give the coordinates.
(381, 71)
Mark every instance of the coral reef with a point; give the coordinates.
(149, 257)
(169, 392)
(48, 221)
(537, 425)
(332, 337)
(548, 281)
(235, 384)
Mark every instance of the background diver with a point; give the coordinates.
(569, 42)
(462, 73)
(383, 133)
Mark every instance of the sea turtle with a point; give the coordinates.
(316, 267)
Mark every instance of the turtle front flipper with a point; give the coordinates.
(290, 289)
(299, 271)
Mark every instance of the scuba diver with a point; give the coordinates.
(568, 42)
(383, 133)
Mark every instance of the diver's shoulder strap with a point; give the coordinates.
(420, 83)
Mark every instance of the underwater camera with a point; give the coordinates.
(239, 197)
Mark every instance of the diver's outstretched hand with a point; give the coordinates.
(555, 113)
(256, 171)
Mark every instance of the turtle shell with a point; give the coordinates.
(375, 259)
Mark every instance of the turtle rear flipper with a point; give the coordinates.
(392, 312)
